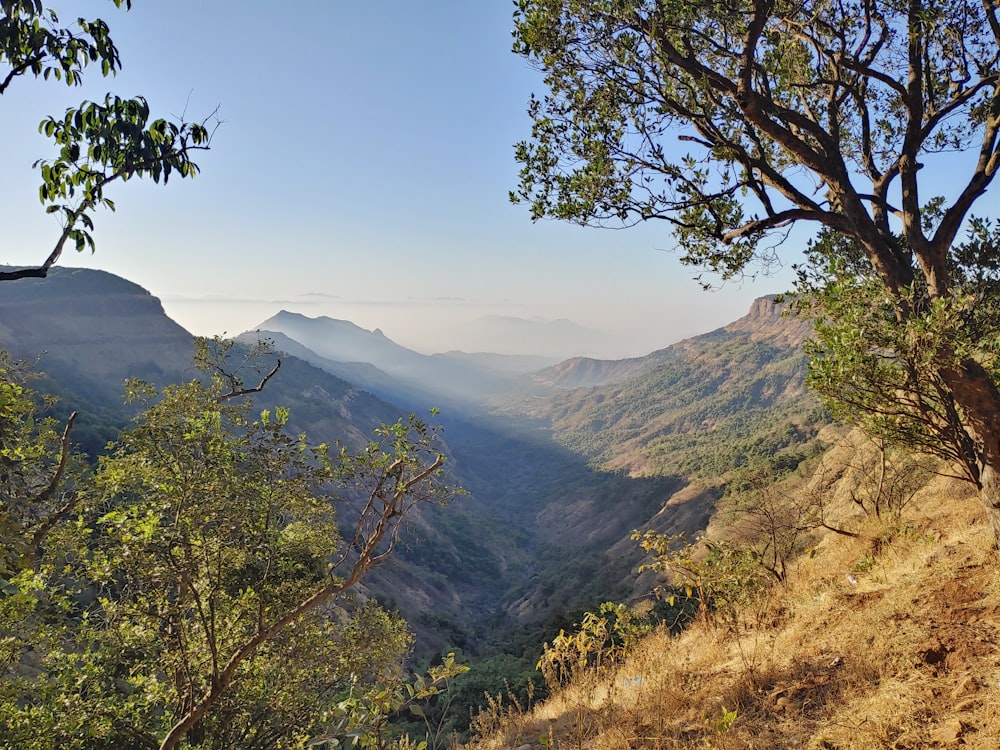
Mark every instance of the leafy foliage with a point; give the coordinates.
(888, 375)
(99, 142)
(37, 470)
(362, 719)
(200, 593)
(722, 576)
(32, 41)
(604, 639)
(103, 142)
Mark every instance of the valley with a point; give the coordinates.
(561, 460)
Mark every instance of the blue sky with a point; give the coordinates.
(360, 171)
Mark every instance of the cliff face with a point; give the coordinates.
(774, 322)
(94, 324)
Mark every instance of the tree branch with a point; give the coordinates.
(986, 169)
(782, 218)
(17, 70)
(236, 392)
(49, 523)
(74, 215)
(387, 522)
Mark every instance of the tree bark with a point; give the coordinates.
(989, 491)
(979, 398)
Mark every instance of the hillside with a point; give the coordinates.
(546, 469)
(501, 559)
(557, 478)
(89, 331)
(886, 639)
(700, 407)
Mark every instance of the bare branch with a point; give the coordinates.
(236, 392)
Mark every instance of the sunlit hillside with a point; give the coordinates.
(882, 637)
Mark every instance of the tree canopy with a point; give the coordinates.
(197, 587)
(98, 143)
(732, 121)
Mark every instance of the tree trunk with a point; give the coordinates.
(979, 398)
(989, 491)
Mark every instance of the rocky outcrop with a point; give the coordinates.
(772, 321)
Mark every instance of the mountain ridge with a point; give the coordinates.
(662, 413)
(459, 379)
(765, 319)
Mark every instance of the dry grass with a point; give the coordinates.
(887, 640)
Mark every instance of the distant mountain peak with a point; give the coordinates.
(324, 322)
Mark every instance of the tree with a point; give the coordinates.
(734, 120)
(201, 593)
(99, 142)
(38, 477)
(38, 470)
(888, 375)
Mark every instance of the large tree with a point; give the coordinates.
(733, 120)
(99, 143)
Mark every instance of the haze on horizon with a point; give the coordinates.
(360, 171)
(435, 326)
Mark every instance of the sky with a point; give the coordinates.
(360, 170)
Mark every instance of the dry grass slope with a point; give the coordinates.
(890, 639)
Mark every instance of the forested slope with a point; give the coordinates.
(698, 408)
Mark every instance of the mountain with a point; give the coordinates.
(495, 556)
(379, 364)
(655, 441)
(343, 341)
(700, 406)
(765, 320)
(90, 330)
(361, 373)
(97, 325)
